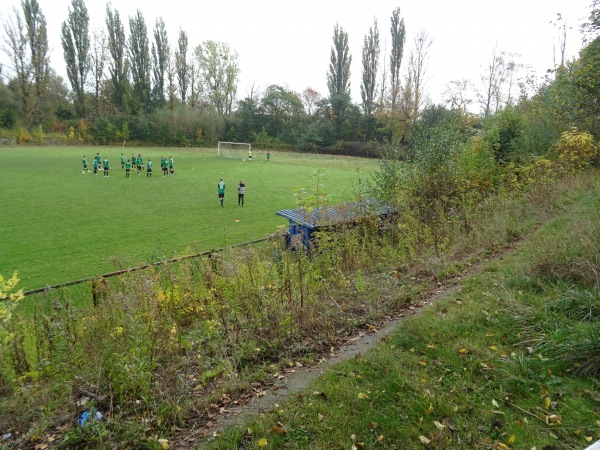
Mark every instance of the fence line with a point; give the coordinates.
(145, 266)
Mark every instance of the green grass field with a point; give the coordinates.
(58, 224)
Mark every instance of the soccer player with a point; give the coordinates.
(268, 156)
(127, 168)
(95, 164)
(171, 168)
(241, 192)
(249, 155)
(164, 166)
(149, 169)
(105, 166)
(85, 166)
(221, 190)
(98, 160)
(139, 163)
(122, 161)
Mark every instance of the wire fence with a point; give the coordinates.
(142, 267)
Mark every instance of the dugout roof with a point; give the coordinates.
(336, 214)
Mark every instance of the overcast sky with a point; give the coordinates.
(289, 42)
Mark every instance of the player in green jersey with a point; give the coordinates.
(221, 190)
(95, 164)
(122, 161)
(171, 166)
(149, 168)
(268, 156)
(105, 166)
(127, 168)
(163, 166)
(85, 165)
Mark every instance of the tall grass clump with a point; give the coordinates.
(567, 273)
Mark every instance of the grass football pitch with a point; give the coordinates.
(58, 224)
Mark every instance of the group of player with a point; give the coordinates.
(97, 163)
(250, 155)
(136, 162)
(221, 192)
(241, 186)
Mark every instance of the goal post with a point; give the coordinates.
(233, 149)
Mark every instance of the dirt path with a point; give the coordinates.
(295, 379)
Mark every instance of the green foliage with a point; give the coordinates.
(388, 181)
(219, 72)
(8, 299)
(338, 76)
(433, 184)
(8, 107)
(370, 65)
(311, 138)
(586, 84)
(575, 151)
(140, 63)
(103, 131)
(280, 106)
(22, 136)
(504, 135)
(75, 41)
(542, 121)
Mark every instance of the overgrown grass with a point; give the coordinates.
(161, 346)
(510, 361)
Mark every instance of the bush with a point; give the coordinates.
(575, 151)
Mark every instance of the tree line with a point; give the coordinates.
(128, 82)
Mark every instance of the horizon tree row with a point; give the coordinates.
(121, 80)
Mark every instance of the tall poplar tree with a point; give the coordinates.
(171, 84)
(75, 40)
(139, 56)
(181, 65)
(119, 65)
(417, 66)
(338, 77)
(98, 60)
(40, 63)
(194, 83)
(161, 52)
(398, 39)
(370, 64)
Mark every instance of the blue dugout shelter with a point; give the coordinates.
(304, 223)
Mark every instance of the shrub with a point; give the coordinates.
(575, 151)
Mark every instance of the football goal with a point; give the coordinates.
(233, 149)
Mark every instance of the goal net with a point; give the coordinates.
(233, 149)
